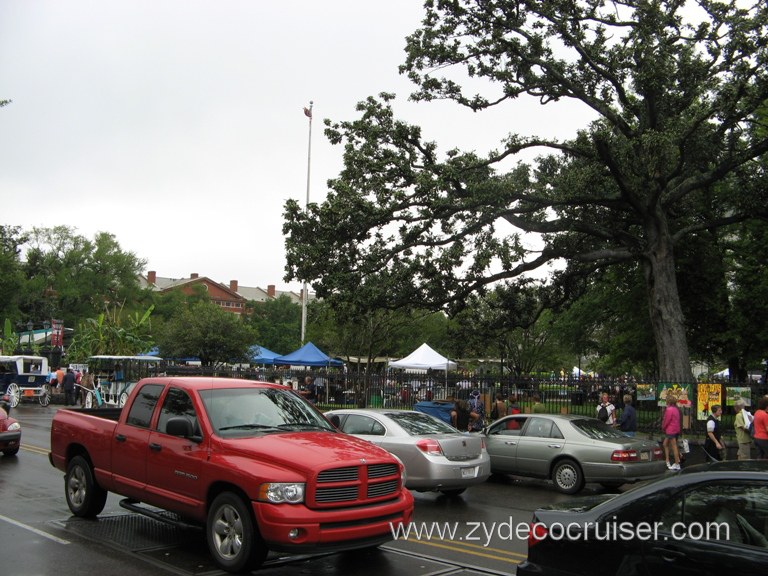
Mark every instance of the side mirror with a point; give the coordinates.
(335, 421)
(181, 427)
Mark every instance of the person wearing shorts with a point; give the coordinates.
(670, 425)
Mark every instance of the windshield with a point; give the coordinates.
(597, 430)
(419, 424)
(239, 412)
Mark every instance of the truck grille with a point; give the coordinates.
(357, 484)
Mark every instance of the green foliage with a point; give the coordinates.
(368, 335)
(115, 333)
(207, 332)
(11, 273)
(277, 324)
(9, 340)
(71, 277)
(670, 156)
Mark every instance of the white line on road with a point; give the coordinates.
(35, 530)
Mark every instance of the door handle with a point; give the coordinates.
(554, 445)
(510, 443)
(155, 447)
(120, 438)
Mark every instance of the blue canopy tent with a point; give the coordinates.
(307, 355)
(261, 355)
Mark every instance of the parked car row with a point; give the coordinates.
(570, 450)
(707, 520)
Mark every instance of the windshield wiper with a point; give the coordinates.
(305, 426)
(249, 427)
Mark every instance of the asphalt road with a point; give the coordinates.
(476, 533)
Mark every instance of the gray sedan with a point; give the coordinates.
(436, 456)
(571, 450)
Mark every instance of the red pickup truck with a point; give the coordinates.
(256, 464)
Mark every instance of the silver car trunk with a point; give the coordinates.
(459, 447)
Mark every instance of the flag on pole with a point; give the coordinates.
(307, 112)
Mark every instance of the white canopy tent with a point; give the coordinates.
(424, 358)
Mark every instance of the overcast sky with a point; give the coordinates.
(177, 125)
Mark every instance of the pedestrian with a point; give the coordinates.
(741, 424)
(499, 408)
(713, 443)
(477, 405)
(68, 383)
(670, 425)
(606, 411)
(627, 422)
(461, 416)
(59, 377)
(761, 428)
(538, 407)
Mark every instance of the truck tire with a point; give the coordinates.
(85, 498)
(233, 538)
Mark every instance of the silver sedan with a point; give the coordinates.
(571, 450)
(436, 456)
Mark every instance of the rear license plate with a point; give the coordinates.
(645, 456)
(29, 392)
(468, 472)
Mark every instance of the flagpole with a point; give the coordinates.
(304, 295)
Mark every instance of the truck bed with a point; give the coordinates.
(106, 413)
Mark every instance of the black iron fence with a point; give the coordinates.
(401, 390)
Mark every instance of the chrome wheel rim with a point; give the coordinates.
(228, 532)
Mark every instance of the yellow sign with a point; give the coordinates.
(707, 396)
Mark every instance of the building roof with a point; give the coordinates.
(250, 293)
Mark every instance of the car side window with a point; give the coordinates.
(737, 513)
(539, 428)
(356, 424)
(144, 404)
(177, 403)
(508, 427)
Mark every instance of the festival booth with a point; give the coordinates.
(261, 355)
(423, 360)
(311, 355)
(307, 355)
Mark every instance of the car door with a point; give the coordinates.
(174, 463)
(710, 530)
(130, 442)
(502, 439)
(540, 443)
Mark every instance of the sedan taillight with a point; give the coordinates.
(429, 446)
(536, 533)
(625, 456)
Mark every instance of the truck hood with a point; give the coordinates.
(308, 451)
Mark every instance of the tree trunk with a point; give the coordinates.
(664, 305)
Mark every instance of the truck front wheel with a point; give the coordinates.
(85, 498)
(233, 537)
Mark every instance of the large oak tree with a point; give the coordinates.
(675, 86)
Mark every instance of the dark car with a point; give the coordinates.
(710, 519)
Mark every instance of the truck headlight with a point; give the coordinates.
(282, 492)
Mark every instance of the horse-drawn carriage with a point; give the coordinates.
(25, 377)
(115, 376)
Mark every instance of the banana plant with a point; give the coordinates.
(10, 340)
